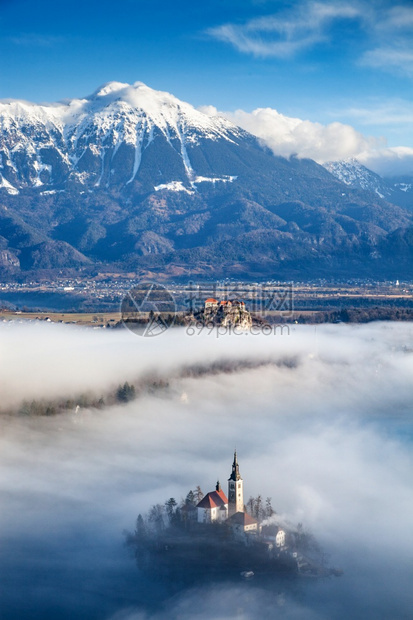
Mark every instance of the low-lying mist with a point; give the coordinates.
(322, 423)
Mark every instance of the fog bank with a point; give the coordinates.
(322, 425)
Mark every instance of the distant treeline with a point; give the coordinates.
(353, 314)
(124, 393)
(345, 315)
(129, 391)
(358, 315)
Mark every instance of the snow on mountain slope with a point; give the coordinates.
(102, 139)
(396, 190)
(353, 173)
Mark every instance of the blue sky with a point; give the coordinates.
(325, 61)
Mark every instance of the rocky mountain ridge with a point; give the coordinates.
(397, 190)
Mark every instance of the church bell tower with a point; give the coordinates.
(235, 489)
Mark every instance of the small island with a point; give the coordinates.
(213, 536)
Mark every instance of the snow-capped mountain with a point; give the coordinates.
(135, 180)
(107, 139)
(353, 173)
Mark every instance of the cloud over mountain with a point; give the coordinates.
(391, 161)
(335, 141)
(288, 136)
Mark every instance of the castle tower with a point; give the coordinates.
(235, 489)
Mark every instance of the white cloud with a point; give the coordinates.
(390, 112)
(284, 34)
(391, 40)
(288, 136)
(336, 141)
(288, 32)
(392, 161)
(390, 59)
(399, 16)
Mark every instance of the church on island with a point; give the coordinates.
(217, 507)
(217, 534)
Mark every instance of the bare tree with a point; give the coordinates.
(269, 511)
(250, 506)
(156, 517)
(258, 508)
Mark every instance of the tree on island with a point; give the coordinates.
(305, 541)
(255, 508)
(156, 517)
(125, 393)
(198, 494)
(140, 531)
(190, 499)
(170, 506)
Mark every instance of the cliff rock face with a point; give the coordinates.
(227, 314)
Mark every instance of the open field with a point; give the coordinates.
(97, 319)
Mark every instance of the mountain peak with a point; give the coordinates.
(107, 138)
(137, 95)
(109, 88)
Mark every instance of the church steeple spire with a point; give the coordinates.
(235, 489)
(235, 475)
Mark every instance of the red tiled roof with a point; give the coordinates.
(207, 502)
(211, 300)
(242, 518)
(215, 499)
(222, 496)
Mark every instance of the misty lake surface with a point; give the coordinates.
(322, 421)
